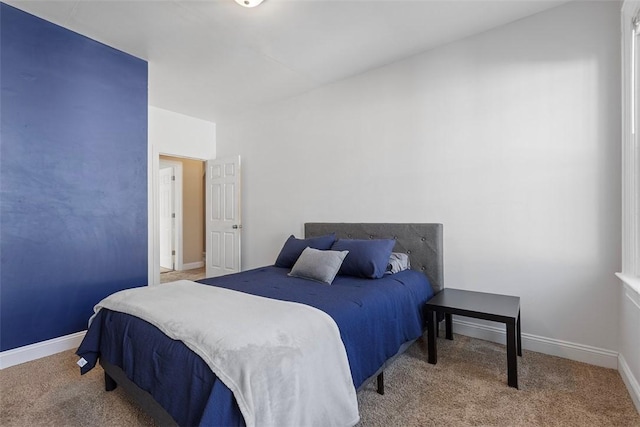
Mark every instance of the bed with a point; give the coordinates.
(377, 320)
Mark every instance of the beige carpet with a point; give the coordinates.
(466, 387)
(170, 276)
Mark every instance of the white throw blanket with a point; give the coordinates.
(284, 362)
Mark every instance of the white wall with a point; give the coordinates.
(510, 138)
(177, 135)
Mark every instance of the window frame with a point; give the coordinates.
(630, 27)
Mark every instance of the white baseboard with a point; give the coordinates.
(630, 381)
(192, 265)
(565, 349)
(40, 349)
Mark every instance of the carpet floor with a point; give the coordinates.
(466, 388)
(193, 275)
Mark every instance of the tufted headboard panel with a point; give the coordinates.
(422, 242)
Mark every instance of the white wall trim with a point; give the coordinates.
(565, 349)
(630, 381)
(192, 265)
(632, 283)
(630, 131)
(40, 349)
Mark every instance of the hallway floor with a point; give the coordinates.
(170, 276)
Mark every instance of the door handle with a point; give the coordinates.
(236, 226)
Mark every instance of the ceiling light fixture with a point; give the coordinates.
(249, 3)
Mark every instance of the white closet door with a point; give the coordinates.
(165, 201)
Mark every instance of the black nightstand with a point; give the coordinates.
(480, 305)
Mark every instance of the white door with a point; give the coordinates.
(165, 201)
(223, 212)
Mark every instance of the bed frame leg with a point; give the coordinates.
(109, 383)
(381, 383)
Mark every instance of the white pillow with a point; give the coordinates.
(398, 262)
(321, 266)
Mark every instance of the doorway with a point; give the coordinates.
(181, 208)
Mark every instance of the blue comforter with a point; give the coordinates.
(375, 317)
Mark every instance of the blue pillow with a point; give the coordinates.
(293, 247)
(366, 258)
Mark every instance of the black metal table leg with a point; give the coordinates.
(512, 358)
(519, 336)
(448, 326)
(432, 323)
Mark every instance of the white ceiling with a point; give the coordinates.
(210, 57)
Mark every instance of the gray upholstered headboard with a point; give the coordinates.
(423, 242)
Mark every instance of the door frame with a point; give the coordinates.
(178, 263)
(153, 228)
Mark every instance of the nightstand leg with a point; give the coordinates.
(512, 359)
(432, 324)
(519, 336)
(448, 325)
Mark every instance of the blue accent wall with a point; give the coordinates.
(73, 177)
